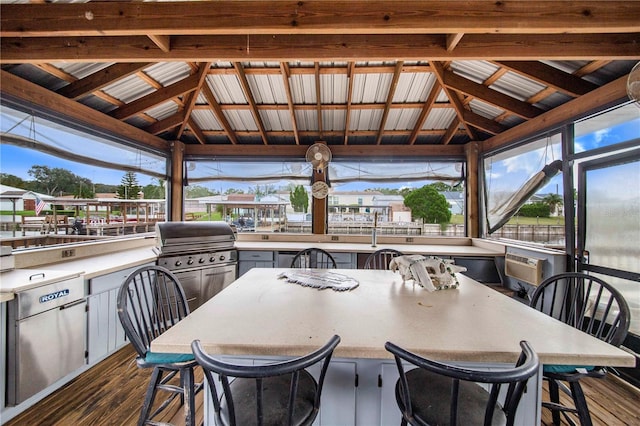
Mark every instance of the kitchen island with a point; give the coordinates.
(262, 317)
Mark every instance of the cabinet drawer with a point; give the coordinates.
(256, 255)
(110, 281)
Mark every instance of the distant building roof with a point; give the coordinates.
(241, 197)
(453, 195)
(399, 207)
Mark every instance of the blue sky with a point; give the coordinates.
(17, 161)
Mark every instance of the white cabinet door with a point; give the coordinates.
(105, 333)
(389, 411)
(338, 403)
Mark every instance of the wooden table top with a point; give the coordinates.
(262, 315)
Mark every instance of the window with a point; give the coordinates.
(616, 125)
(63, 168)
(358, 190)
(523, 193)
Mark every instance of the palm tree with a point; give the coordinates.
(553, 201)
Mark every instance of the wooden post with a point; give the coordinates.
(473, 217)
(319, 207)
(176, 189)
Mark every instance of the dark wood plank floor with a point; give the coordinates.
(111, 393)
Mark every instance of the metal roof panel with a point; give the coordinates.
(167, 73)
(226, 89)
(206, 120)
(128, 89)
(439, 119)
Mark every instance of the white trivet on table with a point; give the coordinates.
(320, 279)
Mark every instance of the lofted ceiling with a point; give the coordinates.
(248, 77)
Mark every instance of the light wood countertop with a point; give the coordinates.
(262, 315)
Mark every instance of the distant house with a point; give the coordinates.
(455, 200)
(23, 199)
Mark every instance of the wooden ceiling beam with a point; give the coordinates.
(286, 74)
(439, 71)
(347, 119)
(165, 124)
(318, 17)
(283, 48)
(332, 107)
(593, 100)
(483, 93)
(591, 67)
(451, 131)
(192, 98)
(424, 112)
(482, 123)
(55, 71)
(18, 88)
(330, 133)
(219, 114)
(324, 70)
(453, 40)
(100, 79)
(316, 66)
(338, 151)
(156, 98)
(244, 83)
(195, 129)
(494, 77)
(162, 41)
(387, 106)
(549, 76)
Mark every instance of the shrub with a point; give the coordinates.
(534, 210)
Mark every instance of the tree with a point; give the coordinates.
(385, 191)
(12, 180)
(405, 191)
(129, 187)
(154, 192)
(429, 205)
(233, 191)
(299, 199)
(104, 188)
(84, 189)
(442, 187)
(53, 181)
(196, 191)
(262, 191)
(553, 201)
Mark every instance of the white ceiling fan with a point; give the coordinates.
(319, 156)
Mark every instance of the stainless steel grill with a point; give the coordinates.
(201, 254)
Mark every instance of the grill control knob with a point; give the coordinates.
(190, 261)
(212, 259)
(201, 260)
(222, 257)
(178, 263)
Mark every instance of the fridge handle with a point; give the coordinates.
(72, 304)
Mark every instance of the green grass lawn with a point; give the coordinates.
(458, 219)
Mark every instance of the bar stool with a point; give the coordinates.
(150, 301)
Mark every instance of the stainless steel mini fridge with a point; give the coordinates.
(46, 336)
